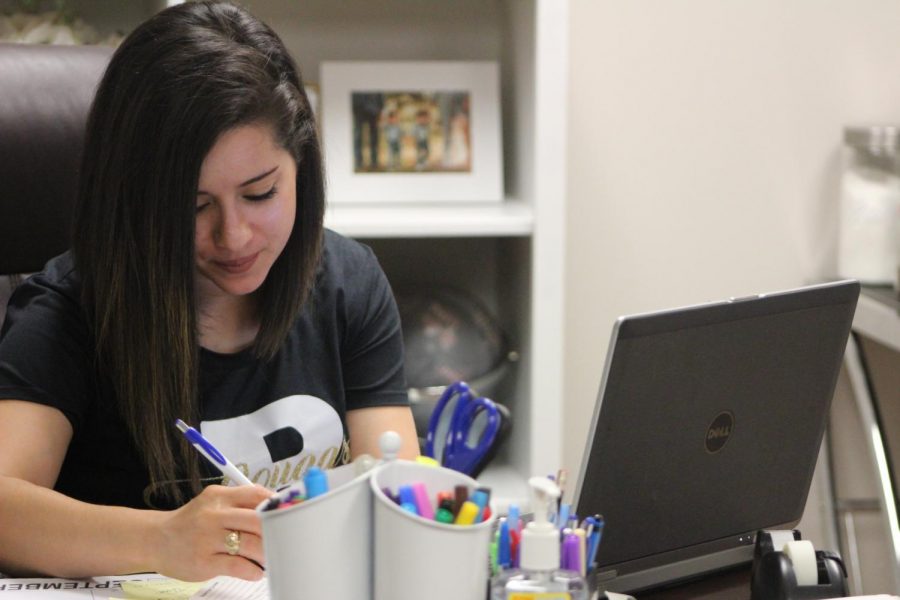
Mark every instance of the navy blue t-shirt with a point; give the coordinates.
(273, 419)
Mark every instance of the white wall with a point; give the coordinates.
(704, 154)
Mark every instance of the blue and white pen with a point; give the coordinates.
(214, 456)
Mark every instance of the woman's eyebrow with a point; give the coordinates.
(249, 181)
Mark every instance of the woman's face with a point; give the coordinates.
(246, 205)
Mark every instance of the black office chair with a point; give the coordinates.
(45, 94)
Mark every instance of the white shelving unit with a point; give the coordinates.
(392, 221)
(509, 254)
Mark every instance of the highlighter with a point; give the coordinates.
(468, 512)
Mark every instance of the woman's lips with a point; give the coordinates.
(238, 266)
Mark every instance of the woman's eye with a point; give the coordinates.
(264, 196)
(202, 206)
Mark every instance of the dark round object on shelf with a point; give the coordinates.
(448, 336)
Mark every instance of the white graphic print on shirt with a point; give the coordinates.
(275, 445)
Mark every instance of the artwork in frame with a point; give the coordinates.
(412, 131)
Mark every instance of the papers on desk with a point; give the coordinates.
(229, 588)
(132, 587)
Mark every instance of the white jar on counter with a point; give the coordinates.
(869, 240)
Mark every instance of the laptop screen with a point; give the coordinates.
(708, 424)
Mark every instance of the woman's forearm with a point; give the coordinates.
(43, 532)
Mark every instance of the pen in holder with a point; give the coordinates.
(321, 547)
(416, 557)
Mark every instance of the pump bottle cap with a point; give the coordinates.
(540, 539)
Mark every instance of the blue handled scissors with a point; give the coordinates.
(454, 438)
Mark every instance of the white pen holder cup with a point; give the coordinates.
(417, 558)
(322, 548)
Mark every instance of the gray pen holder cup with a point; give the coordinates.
(322, 548)
(417, 558)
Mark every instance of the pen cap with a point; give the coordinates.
(540, 539)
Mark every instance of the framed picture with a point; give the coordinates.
(412, 131)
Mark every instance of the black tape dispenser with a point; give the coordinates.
(786, 567)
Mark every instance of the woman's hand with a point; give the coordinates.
(191, 543)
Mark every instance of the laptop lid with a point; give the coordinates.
(707, 428)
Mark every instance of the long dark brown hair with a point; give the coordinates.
(172, 88)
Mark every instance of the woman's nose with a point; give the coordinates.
(233, 230)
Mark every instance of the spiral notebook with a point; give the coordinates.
(707, 428)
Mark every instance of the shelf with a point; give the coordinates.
(877, 317)
(507, 485)
(500, 219)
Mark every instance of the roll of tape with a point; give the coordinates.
(803, 556)
(780, 537)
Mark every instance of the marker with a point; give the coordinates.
(562, 519)
(561, 477)
(445, 495)
(515, 522)
(571, 553)
(467, 513)
(444, 513)
(480, 498)
(315, 481)
(582, 551)
(460, 494)
(407, 496)
(514, 539)
(427, 461)
(485, 514)
(420, 494)
(272, 503)
(596, 537)
(504, 546)
(391, 495)
(492, 554)
(212, 455)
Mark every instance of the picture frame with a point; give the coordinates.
(412, 131)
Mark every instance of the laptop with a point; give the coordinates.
(707, 428)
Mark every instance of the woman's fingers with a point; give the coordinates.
(250, 545)
(247, 496)
(197, 535)
(235, 566)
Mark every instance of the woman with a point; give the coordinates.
(201, 286)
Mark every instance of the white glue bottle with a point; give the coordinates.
(539, 575)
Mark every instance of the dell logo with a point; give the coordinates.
(719, 431)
